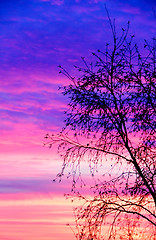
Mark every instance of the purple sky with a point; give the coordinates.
(37, 36)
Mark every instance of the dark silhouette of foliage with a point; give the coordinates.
(112, 117)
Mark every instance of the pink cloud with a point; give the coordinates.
(54, 2)
(127, 8)
(35, 217)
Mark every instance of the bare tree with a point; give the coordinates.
(112, 117)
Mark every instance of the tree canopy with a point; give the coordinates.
(112, 117)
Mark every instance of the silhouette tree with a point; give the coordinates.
(112, 118)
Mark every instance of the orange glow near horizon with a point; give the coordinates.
(35, 217)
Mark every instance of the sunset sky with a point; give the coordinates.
(37, 36)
